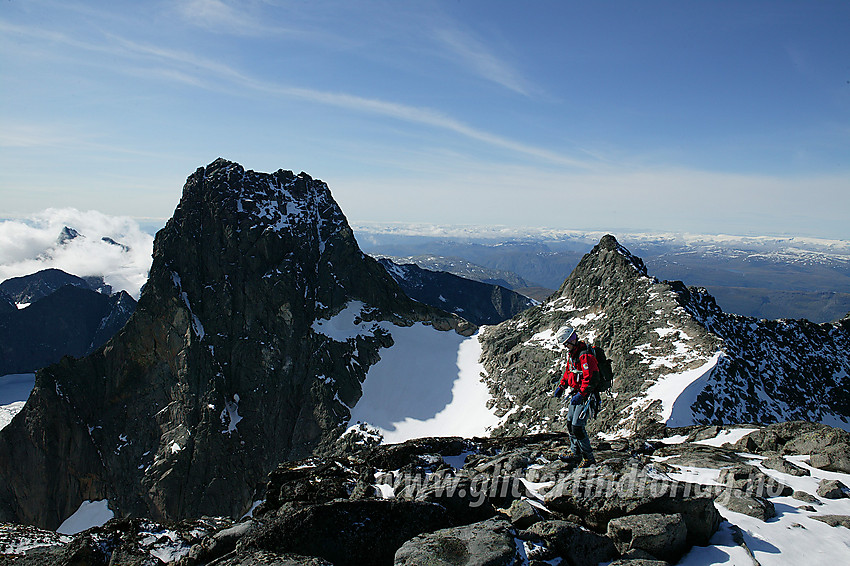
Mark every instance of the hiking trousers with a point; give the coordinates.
(577, 416)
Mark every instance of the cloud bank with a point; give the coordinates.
(113, 247)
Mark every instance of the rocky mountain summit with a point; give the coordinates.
(230, 364)
(479, 303)
(678, 358)
(697, 495)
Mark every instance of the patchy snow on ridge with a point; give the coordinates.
(428, 384)
(676, 391)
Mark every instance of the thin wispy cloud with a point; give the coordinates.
(473, 53)
(221, 17)
(203, 72)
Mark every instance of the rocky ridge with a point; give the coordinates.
(678, 358)
(479, 303)
(505, 501)
(223, 371)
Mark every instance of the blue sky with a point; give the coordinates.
(711, 117)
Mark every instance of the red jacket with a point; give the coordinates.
(584, 365)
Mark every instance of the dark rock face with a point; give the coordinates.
(7, 305)
(71, 321)
(479, 303)
(652, 330)
(220, 374)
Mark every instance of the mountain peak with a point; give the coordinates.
(221, 370)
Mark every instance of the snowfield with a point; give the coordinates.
(407, 395)
(427, 384)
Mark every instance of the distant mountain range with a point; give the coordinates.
(762, 277)
(51, 314)
(30, 288)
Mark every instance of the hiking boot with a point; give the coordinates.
(570, 458)
(587, 462)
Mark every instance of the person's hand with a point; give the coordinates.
(578, 399)
(558, 391)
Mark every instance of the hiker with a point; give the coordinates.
(584, 403)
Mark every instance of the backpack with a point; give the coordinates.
(604, 378)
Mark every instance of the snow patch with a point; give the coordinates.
(90, 514)
(346, 324)
(727, 437)
(230, 414)
(428, 384)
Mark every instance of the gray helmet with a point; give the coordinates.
(566, 334)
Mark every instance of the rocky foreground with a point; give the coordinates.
(500, 501)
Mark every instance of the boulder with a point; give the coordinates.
(487, 543)
(834, 520)
(800, 434)
(806, 497)
(571, 542)
(595, 496)
(347, 533)
(832, 489)
(780, 464)
(752, 480)
(698, 456)
(819, 439)
(834, 458)
(662, 536)
(523, 514)
(216, 545)
(747, 503)
(465, 497)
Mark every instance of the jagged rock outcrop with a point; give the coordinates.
(70, 321)
(479, 303)
(223, 371)
(678, 359)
